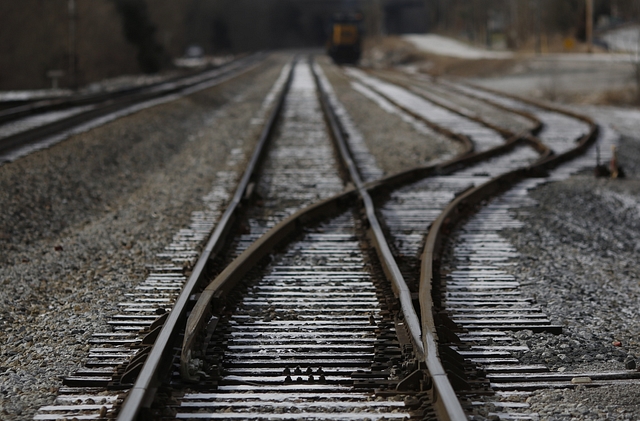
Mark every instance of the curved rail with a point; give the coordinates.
(160, 356)
(446, 403)
(511, 138)
(229, 277)
(507, 134)
(466, 202)
(449, 406)
(538, 124)
(467, 143)
(389, 264)
(423, 334)
(583, 141)
(451, 215)
(233, 273)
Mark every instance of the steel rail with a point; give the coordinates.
(159, 359)
(464, 204)
(506, 134)
(230, 276)
(552, 161)
(183, 86)
(534, 102)
(446, 403)
(376, 234)
(538, 124)
(449, 407)
(509, 136)
(468, 145)
(44, 105)
(446, 394)
(528, 135)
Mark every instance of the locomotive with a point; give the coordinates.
(345, 42)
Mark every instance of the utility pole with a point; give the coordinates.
(589, 26)
(73, 44)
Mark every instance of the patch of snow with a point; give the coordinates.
(444, 46)
(624, 39)
(625, 121)
(390, 108)
(32, 122)
(625, 201)
(33, 95)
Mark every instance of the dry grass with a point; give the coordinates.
(393, 51)
(385, 52)
(555, 44)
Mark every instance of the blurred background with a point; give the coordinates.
(77, 42)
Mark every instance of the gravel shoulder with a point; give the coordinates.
(579, 261)
(395, 144)
(82, 219)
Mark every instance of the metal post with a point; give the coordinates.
(73, 44)
(589, 26)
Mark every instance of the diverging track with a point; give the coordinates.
(313, 336)
(320, 297)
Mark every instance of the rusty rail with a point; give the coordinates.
(159, 359)
(465, 204)
(423, 333)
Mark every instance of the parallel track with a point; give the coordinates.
(485, 301)
(277, 339)
(55, 122)
(311, 322)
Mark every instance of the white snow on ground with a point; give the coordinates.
(624, 39)
(585, 57)
(390, 108)
(33, 95)
(444, 46)
(437, 44)
(625, 121)
(31, 122)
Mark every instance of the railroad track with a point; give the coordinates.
(483, 300)
(293, 331)
(312, 300)
(36, 126)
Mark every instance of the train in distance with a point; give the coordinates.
(345, 42)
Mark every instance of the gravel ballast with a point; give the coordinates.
(578, 261)
(395, 143)
(81, 220)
